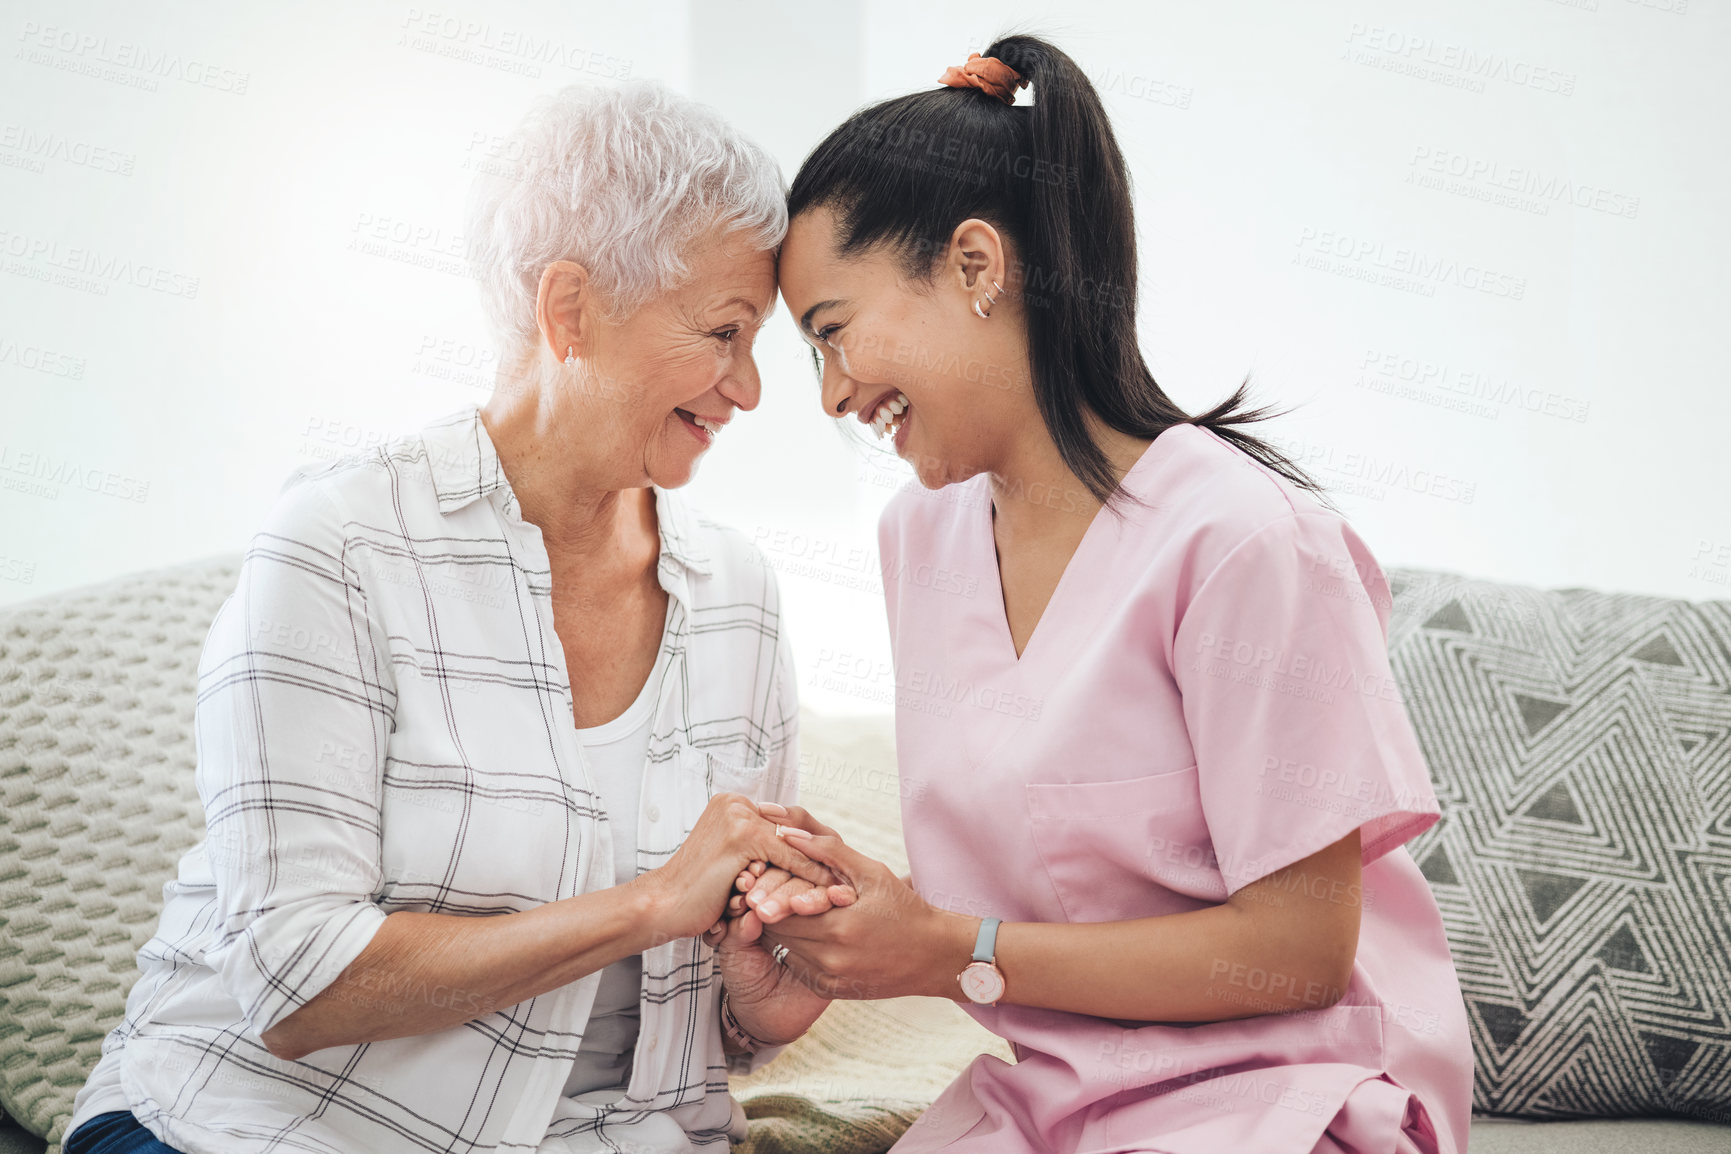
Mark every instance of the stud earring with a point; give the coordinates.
(570, 354)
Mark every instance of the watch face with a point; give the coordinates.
(982, 983)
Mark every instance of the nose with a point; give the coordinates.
(743, 387)
(839, 391)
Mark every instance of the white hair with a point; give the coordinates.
(623, 180)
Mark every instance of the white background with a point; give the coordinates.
(1567, 427)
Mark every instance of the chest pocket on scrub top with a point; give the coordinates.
(1122, 849)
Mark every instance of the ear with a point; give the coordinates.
(977, 258)
(566, 310)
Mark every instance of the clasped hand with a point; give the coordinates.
(868, 936)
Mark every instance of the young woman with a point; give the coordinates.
(1157, 772)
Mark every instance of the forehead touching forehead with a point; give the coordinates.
(809, 248)
(728, 273)
(815, 272)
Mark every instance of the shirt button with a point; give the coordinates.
(653, 813)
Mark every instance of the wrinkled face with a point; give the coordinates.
(910, 357)
(658, 386)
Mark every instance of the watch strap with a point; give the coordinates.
(986, 945)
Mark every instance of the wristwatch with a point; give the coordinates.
(981, 980)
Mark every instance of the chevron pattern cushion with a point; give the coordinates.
(1580, 744)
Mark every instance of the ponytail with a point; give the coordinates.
(906, 171)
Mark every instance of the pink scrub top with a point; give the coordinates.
(1206, 700)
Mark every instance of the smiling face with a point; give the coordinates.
(650, 393)
(912, 356)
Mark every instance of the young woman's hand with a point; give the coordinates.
(887, 942)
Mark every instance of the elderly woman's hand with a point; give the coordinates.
(768, 893)
(769, 1003)
(690, 891)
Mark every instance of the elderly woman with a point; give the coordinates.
(482, 731)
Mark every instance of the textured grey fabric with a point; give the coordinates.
(1606, 1136)
(1580, 744)
(96, 806)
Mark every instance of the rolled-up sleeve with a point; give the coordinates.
(295, 706)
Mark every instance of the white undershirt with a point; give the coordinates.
(616, 752)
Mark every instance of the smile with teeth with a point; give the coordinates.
(708, 426)
(889, 416)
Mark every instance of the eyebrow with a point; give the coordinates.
(805, 321)
(749, 307)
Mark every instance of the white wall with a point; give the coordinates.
(1572, 419)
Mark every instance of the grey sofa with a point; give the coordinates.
(1580, 744)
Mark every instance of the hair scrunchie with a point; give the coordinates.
(987, 73)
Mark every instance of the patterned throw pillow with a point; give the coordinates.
(1580, 744)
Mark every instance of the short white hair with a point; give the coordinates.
(623, 180)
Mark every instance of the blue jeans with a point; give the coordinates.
(117, 1132)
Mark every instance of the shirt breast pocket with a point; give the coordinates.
(704, 773)
(1132, 848)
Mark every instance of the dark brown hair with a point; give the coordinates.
(905, 172)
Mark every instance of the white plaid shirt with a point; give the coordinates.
(384, 723)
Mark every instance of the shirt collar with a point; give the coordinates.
(461, 459)
(465, 467)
